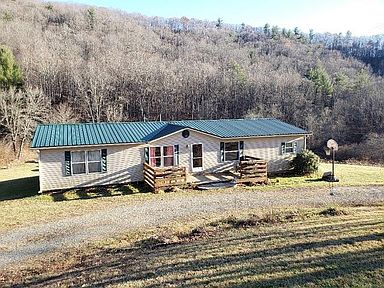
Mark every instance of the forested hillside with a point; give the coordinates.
(369, 49)
(80, 63)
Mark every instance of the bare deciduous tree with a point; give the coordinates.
(63, 113)
(20, 111)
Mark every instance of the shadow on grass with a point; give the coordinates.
(19, 188)
(166, 266)
(100, 191)
(315, 180)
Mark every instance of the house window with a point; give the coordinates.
(86, 162)
(168, 156)
(78, 162)
(161, 156)
(155, 156)
(94, 161)
(289, 147)
(231, 151)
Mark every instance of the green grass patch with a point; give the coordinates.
(287, 248)
(349, 175)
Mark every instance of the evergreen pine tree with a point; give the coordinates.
(10, 72)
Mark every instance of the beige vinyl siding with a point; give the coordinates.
(268, 148)
(124, 164)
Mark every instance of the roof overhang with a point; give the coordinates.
(87, 146)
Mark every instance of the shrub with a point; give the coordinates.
(306, 162)
(332, 212)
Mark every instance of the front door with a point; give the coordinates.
(197, 157)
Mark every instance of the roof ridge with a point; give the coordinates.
(165, 122)
(95, 123)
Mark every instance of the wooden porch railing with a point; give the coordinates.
(163, 177)
(252, 170)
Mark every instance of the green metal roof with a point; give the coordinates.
(236, 128)
(62, 135)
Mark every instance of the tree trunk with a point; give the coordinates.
(14, 144)
(20, 150)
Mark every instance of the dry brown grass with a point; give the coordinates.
(8, 158)
(6, 154)
(306, 251)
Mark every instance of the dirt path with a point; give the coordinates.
(23, 243)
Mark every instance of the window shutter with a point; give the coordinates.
(176, 155)
(67, 161)
(282, 148)
(241, 149)
(103, 160)
(222, 151)
(146, 155)
(295, 147)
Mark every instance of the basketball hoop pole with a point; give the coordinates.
(333, 164)
(332, 148)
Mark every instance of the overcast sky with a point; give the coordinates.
(361, 17)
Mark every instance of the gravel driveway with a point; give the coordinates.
(23, 243)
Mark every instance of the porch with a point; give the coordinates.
(249, 170)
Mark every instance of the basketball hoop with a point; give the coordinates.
(332, 147)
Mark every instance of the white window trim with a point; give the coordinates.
(150, 157)
(238, 151)
(292, 144)
(197, 169)
(86, 162)
(162, 155)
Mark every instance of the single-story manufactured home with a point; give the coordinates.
(93, 154)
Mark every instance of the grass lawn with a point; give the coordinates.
(20, 203)
(19, 181)
(339, 247)
(349, 175)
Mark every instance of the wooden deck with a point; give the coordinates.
(250, 170)
(164, 177)
(253, 170)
